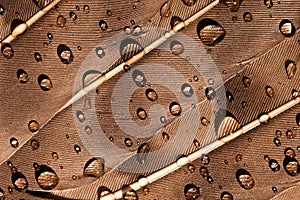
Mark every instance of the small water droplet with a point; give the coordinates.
(14, 142)
(210, 32)
(80, 116)
(274, 189)
(128, 142)
(142, 152)
(268, 3)
(10, 190)
(210, 180)
(19, 180)
(191, 168)
(175, 109)
(65, 54)
(226, 162)
(77, 148)
(289, 134)
(176, 47)
(204, 121)
(247, 17)
(229, 97)
(245, 179)
(72, 15)
(22, 76)
(175, 20)
(61, 21)
(187, 90)
(7, 51)
(291, 68)
(130, 195)
(226, 196)
(46, 177)
(44, 82)
(278, 134)
(2, 194)
(54, 155)
(100, 52)
(289, 152)
(246, 81)
(137, 30)
(210, 93)
(163, 119)
(277, 142)
(165, 9)
(238, 157)
(109, 13)
(127, 30)
(274, 165)
(50, 36)
(103, 25)
(287, 28)
(189, 2)
(269, 91)
(34, 144)
(88, 130)
(151, 94)
(141, 113)
(2, 10)
(94, 168)
(191, 192)
(132, 22)
(139, 78)
(165, 136)
(298, 119)
(33, 126)
(244, 104)
(205, 159)
(38, 57)
(196, 144)
(295, 93)
(86, 9)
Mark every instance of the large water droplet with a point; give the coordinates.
(210, 32)
(33, 126)
(291, 68)
(142, 152)
(46, 177)
(151, 94)
(7, 51)
(44, 82)
(65, 54)
(226, 196)
(19, 180)
(291, 166)
(94, 168)
(22, 76)
(187, 90)
(191, 192)
(245, 179)
(287, 28)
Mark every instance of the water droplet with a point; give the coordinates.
(205, 159)
(77, 148)
(100, 52)
(196, 144)
(274, 189)
(129, 48)
(246, 81)
(226, 196)
(38, 57)
(128, 142)
(103, 25)
(163, 119)
(137, 30)
(44, 82)
(65, 54)
(33, 126)
(289, 134)
(109, 13)
(175, 109)
(50, 36)
(103, 191)
(7, 51)
(268, 3)
(72, 15)
(151, 95)
(34, 144)
(165, 136)
(61, 21)
(19, 180)
(269, 91)
(210, 180)
(94, 168)
(291, 166)
(277, 142)
(175, 20)
(226, 162)
(88, 130)
(189, 2)
(2, 10)
(86, 9)
(245, 179)
(229, 96)
(295, 93)
(130, 195)
(247, 17)
(210, 32)
(46, 177)
(141, 113)
(126, 68)
(191, 168)
(291, 68)
(204, 121)
(187, 90)
(289, 152)
(287, 28)
(14, 142)
(191, 192)
(2, 194)
(132, 22)
(274, 165)
(244, 104)
(176, 47)
(298, 119)
(22, 76)
(127, 30)
(146, 191)
(139, 78)
(165, 9)
(10, 190)
(278, 134)
(77, 8)
(238, 157)
(196, 78)
(142, 152)
(210, 93)
(80, 116)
